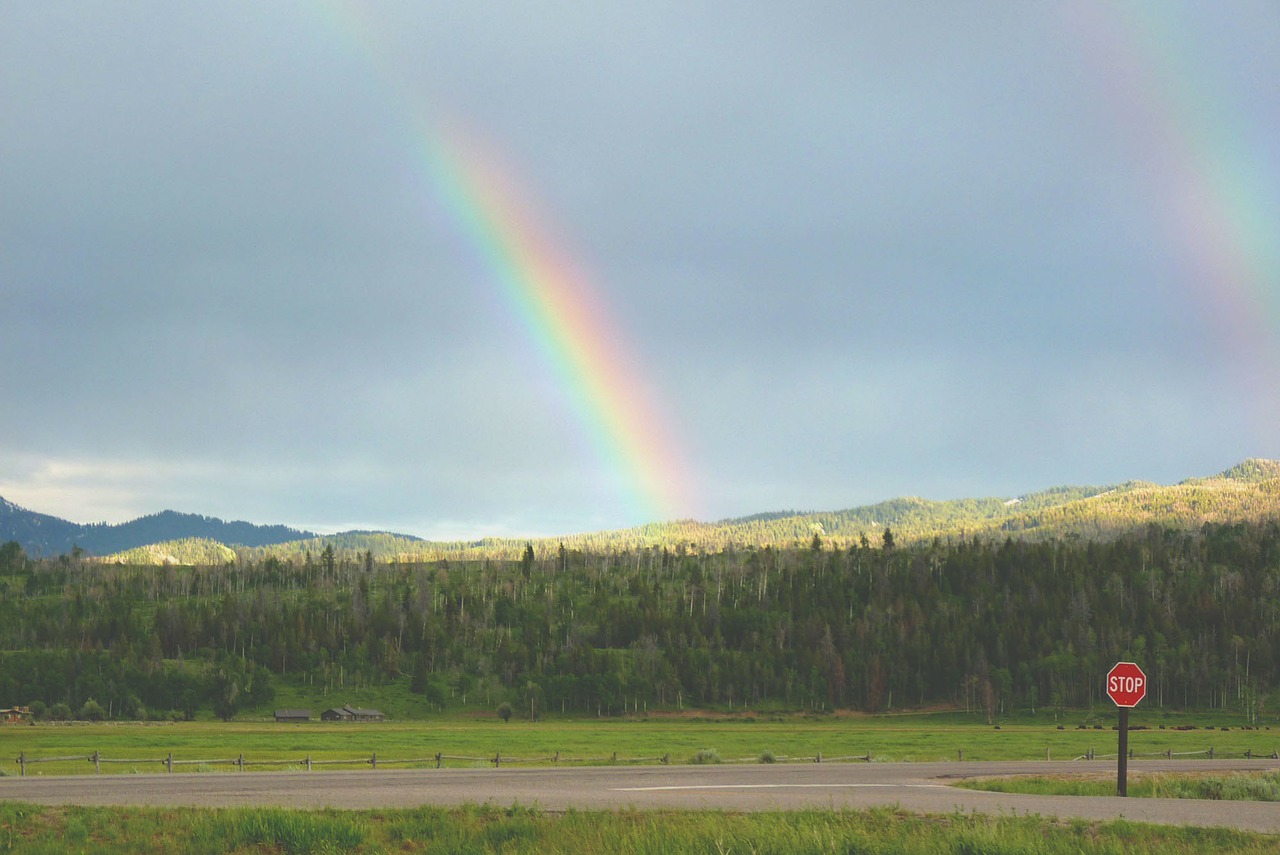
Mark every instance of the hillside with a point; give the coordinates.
(989, 624)
(191, 551)
(44, 535)
(1248, 491)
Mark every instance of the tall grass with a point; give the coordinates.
(486, 829)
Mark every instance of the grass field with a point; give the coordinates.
(919, 737)
(1240, 786)
(486, 829)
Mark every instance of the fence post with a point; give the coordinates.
(666, 759)
(169, 762)
(240, 763)
(1169, 754)
(819, 758)
(497, 759)
(556, 759)
(373, 761)
(22, 764)
(439, 760)
(308, 762)
(1248, 754)
(614, 758)
(1210, 752)
(97, 763)
(960, 755)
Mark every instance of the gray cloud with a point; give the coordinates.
(859, 250)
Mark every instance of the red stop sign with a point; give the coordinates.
(1126, 684)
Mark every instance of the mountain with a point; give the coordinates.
(44, 535)
(39, 534)
(1249, 490)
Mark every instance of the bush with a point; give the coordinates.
(767, 757)
(706, 756)
(39, 709)
(504, 711)
(59, 712)
(132, 708)
(91, 710)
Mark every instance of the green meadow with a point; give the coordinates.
(474, 740)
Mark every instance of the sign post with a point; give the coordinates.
(1126, 686)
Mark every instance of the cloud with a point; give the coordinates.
(857, 250)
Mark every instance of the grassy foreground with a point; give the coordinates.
(482, 829)
(1240, 786)
(919, 737)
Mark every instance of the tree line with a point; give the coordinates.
(989, 625)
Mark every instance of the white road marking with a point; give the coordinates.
(778, 787)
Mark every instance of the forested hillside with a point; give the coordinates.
(45, 535)
(1247, 491)
(982, 622)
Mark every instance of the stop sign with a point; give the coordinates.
(1126, 684)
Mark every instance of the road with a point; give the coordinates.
(922, 787)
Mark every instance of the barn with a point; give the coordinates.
(346, 712)
(293, 715)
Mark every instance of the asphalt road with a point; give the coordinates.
(922, 787)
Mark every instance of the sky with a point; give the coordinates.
(456, 269)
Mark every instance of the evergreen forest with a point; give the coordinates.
(987, 624)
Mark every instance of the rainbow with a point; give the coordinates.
(562, 313)
(565, 318)
(1217, 177)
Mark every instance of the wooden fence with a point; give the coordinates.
(1249, 754)
(498, 759)
(439, 760)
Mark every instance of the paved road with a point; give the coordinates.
(914, 786)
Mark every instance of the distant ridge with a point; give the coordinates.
(44, 535)
(1248, 491)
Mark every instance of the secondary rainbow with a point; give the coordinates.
(1218, 175)
(563, 314)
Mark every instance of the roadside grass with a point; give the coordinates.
(486, 828)
(740, 738)
(1236, 786)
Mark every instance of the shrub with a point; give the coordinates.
(59, 712)
(504, 711)
(706, 756)
(767, 757)
(91, 710)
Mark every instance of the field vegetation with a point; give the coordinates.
(1238, 786)
(489, 829)
(743, 738)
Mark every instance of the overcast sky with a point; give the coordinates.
(854, 250)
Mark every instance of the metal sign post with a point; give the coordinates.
(1126, 686)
